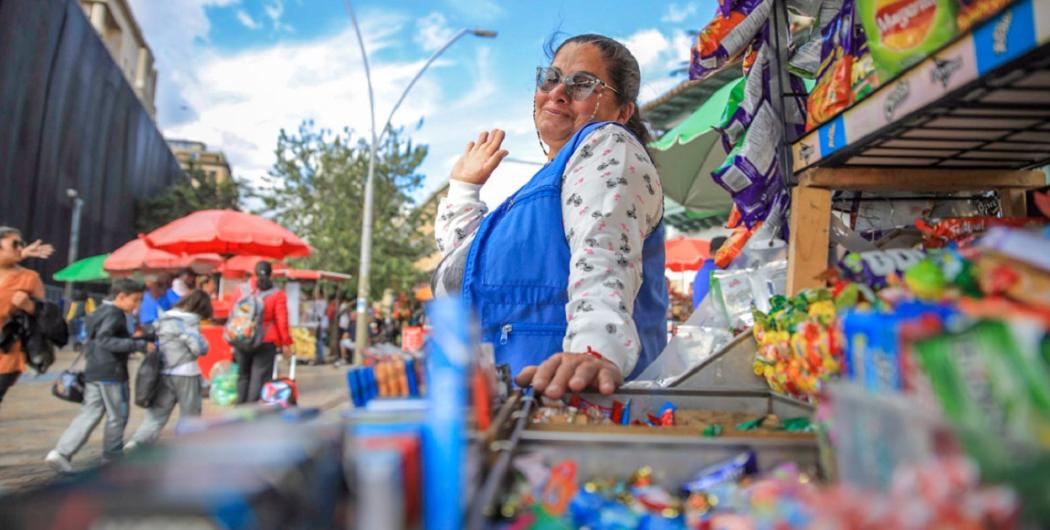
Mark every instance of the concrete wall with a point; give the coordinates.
(69, 119)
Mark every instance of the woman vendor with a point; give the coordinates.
(567, 275)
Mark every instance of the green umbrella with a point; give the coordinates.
(687, 154)
(85, 270)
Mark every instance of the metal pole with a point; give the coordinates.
(74, 239)
(361, 338)
(361, 333)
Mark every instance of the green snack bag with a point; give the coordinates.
(903, 32)
(986, 384)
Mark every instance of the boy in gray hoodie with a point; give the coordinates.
(181, 343)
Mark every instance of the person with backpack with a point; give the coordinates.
(106, 390)
(18, 288)
(257, 330)
(181, 343)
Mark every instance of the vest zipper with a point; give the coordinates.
(505, 333)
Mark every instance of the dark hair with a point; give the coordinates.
(716, 243)
(125, 286)
(264, 265)
(183, 272)
(624, 74)
(8, 230)
(198, 302)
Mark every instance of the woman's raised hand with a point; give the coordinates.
(571, 372)
(480, 159)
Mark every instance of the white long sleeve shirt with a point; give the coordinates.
(611, 201)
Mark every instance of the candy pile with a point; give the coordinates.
(800, 342)
(941, 494)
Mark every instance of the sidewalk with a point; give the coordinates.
(32, 419)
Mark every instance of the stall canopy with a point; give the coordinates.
(136, 256)
(683, 254)
(85, 270)
(227, 232)
(241, 266)
(687, 154)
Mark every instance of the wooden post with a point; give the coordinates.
(1013, 202)
(810, 236)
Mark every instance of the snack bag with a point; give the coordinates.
(727, 36)
(973, 11)
(903, 32)
(863, 80)
(873, 267)
(833, 91)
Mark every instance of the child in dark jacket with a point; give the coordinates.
(106, 391)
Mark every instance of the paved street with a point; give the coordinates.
(32, 420)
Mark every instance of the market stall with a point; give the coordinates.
(891, 372)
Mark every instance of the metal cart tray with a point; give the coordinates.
(673, 458)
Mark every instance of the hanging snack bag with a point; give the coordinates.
(973, 11)
(834, 91)
(903, 32)
(864, 80)
(727, 36)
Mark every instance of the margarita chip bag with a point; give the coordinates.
(903, 32)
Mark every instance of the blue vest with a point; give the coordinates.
(517, 274)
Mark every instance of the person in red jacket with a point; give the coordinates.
(255, 367)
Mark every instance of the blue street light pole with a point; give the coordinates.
(361, 339)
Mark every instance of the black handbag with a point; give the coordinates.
(70, 383)
(147, 380)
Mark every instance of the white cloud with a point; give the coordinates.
(244, 18)
(677, 13)
(648, 46)
(432, 31)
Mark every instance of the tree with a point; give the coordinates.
(316, 189)
(198, 191)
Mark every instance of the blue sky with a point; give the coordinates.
(232, 73)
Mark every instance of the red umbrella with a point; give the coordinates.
(686, 254)
(227, 232)
(136, 256)
(240, 266)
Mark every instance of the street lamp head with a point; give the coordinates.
(71, 193)
(484, 33)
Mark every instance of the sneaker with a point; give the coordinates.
(58, 462)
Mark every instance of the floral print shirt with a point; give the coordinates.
(611, 201)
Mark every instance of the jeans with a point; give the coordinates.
(182, 389)
(109, 399)
(254, 369)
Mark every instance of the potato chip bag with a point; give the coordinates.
(864, 80)
(727, 36)
(833, 91)
(903, 32)
(973, 11)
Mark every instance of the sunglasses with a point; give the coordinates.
(17, 244)
(578, 85)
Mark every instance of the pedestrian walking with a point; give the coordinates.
(106, 389)
(255, 367)
(156, 300)
(181, 343)
(82, 306)
(18, 287)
